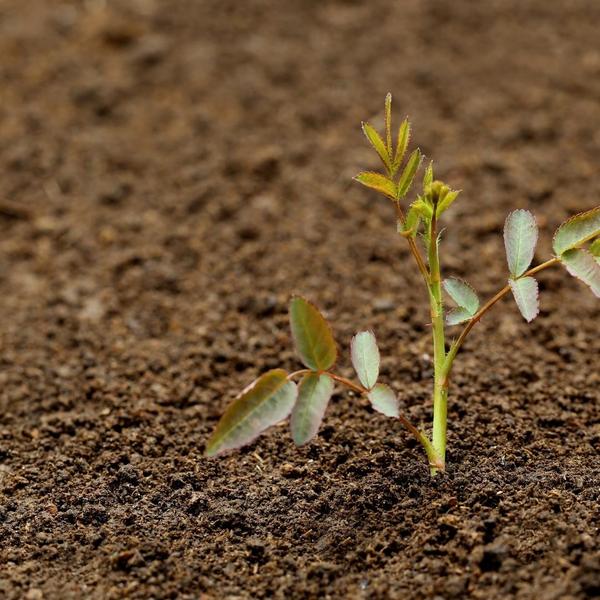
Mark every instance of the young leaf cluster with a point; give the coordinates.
(394, 183)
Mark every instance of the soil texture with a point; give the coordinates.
(171, 171)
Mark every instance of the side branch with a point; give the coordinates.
(481, 312)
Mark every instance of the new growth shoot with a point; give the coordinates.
(276, 395)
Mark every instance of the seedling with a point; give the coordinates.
(275, 395)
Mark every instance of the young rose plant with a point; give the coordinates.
(275, 395)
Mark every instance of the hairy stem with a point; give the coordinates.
(440, 391)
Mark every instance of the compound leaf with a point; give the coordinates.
(312, 335)
(581, 264)
(378, 182)
(577, 230)
(384, 400)
(365, 358)
(265, 402)
(463, 294)
(401, 145)
(525, 292)
(520, 238)
(409, 172)
(314, 392)
(458, 315)
(379, 145)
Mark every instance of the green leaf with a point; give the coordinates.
(581, 264)
(525, 292)
(447, 200)
(388, 123)
(365, 358)
(312, 335)
(577, 230)
(401, 145)
(458, 315)
(378, 144)
(265, 402)
(406, 179)
(378, 182)
(384, 400)
(428, 177)
(314, 393)
(423, 209)
(412, 222)
(520, 238)
(463, 294)
(595, 250)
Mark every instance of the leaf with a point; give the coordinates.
(581, 264)
(428, 177)
(378, 144)
(388, 123)
(458, 315)
(265, 402)
(595, 250)
(463, 294)
(423, 208)
(401, 145)
(384, 400)
(520, 238)
(448, 199)
(379, 182)
(412, 222)
(365, 358)
(314, 393)
(525, 291)
(312, 335)
(406, 179)
(577, 230)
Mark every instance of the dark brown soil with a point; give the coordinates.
(170, 172)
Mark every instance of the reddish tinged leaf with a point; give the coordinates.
(262, 404)
(312, 335)
(314, 393)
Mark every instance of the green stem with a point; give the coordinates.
(440, 391)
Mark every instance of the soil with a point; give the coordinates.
(171, 171)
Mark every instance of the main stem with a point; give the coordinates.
(440, 389)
